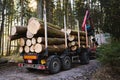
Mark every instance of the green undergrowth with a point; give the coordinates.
(109, 55)
(14, 58)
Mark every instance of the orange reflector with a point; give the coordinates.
(30, 57)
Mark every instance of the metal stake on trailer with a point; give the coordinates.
(65, 29)
(45, 27)
(86, 36)
(78, 33)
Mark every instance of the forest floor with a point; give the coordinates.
(10, 71)
(105, 73)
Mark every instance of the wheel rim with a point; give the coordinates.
(55, 65)
(67, 62)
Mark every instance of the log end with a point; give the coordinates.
(27, 49)
(13, 31)
(28, 42)
(33, 25)
(33, 41)
(71, 37)
(39, 39)
(21, 49)
(38, 48)
(22, 42)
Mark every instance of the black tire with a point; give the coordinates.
(84, 58)
(55, 65)
(66, 63)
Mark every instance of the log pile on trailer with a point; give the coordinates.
(32, 37)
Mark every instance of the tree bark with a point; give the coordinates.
(14, 37)
(75, 38)
(40, 9)
(51, 41)
(75, 43)
(74, 32)
(2, 24)
(51, 49)
(19, 30)
(36, 27)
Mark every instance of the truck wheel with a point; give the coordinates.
(66, 63)
(55, 65)
(84, 58)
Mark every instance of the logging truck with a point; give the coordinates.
(53, 50)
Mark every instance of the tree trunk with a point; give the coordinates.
(51, 41)
(2, 24)
(29, 35)
(22, 11)
(14, 37)
(74, 32)
(51, 49)
(20, 49)
(22, 41)
(73, 48)
(75, 38)
(36, 27)
(28, 42)
(19, 30)
(27, 49)
(40, 9)
(32, 48)
(33, 41)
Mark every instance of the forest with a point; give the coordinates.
(18, 12)
(105, 15)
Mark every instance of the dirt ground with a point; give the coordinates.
(10, 71)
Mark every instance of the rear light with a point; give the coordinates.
(41, 67)
(20, 65)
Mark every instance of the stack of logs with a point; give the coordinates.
(32, 37)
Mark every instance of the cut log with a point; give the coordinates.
(14, 37)
(51, 41)
(73, 37)
(74, 32)
(51, 49)
(29, 35)
(35, 24)
(73, 43)
(19, 30)
(28, 42)
(73, 48)
(35, 27)
(22, 41)
(27, 49)
(83, 46)
(33, 41)
(20, 49)
(32, 48)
